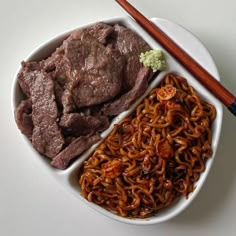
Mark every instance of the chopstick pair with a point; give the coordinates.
(215, 87)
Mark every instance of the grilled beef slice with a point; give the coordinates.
(71, 95)
(77, 147)
(126, 100)
(94, 77)
(131, 45)
(47, 138)
(78, 124)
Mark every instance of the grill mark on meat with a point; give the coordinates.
(23, 117)
(47, 138)
(77, 147)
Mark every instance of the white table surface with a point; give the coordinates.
(32, 202)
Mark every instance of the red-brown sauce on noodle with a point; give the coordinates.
(153, 156)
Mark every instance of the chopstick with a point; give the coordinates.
(204, 77)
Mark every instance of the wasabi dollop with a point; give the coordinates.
(154, 59)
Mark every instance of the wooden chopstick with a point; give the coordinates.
(215, 87)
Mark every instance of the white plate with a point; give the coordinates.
(194, 48)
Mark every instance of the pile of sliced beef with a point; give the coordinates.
(72, 96)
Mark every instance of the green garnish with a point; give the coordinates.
(154, 59)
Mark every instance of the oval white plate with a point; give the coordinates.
(190, 44)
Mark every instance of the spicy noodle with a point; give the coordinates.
(153, 156)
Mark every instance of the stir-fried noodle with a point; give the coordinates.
(154, 155)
